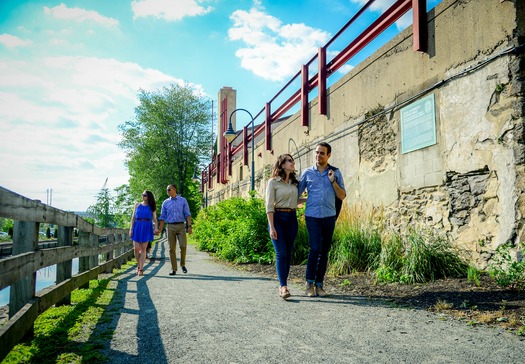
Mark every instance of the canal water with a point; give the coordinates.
(45, 277)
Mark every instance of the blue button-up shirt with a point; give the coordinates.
(321, 193)
(174, 210)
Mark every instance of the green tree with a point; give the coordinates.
(167, 139)
(6, 224)
(102, 210)
(123, 207)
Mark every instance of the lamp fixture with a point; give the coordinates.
(230, 134)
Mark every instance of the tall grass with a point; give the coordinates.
(361, 243)
(391, 259)
(418, 257)
(357, 241)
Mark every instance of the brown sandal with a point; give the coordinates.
(284, 293)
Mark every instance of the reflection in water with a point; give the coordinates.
(45, 277)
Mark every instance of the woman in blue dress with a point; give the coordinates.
(143, 226)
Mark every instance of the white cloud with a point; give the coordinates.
(79, 15)
(169, 10)
(345, 69)
(11, 41)
(382, 5)
(59, 118)
(273, 51)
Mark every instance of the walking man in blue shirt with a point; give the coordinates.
(175, 212)
(323, 183)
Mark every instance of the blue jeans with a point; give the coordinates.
(320, 232)
(286, 226)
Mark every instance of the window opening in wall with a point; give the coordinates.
(240, 173)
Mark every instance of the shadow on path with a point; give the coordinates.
(147, 321)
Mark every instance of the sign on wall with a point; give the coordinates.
(418, 125)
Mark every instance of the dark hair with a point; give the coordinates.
(327, 146)
(173, 185)
(151, 201)
(279, 171)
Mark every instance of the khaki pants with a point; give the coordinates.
(177, 232)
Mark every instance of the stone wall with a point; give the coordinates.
(469, 185)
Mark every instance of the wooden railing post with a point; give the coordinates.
(25, 239)
(64, 269)
(94, 260)
(110, 255)
(118, 262)
(84, 263)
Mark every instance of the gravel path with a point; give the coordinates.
(216, 314)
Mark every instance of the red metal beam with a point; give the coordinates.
(210, 174)
(219, 170)
(321, 84)
(304, 95)
(230, 155)
(287, 105)
(419, 25)
(389, 17)
(268, 127)
(245, 145)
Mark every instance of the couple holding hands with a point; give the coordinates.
(175, 213)
(324, 183)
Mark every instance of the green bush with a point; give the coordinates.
(235, 230)
(507, 272)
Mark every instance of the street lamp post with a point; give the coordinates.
(230, 134)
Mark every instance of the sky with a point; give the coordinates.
(70, 72)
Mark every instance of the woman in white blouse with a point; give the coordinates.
(281, 203)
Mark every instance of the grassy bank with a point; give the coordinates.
(74, 333)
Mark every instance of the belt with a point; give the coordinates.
(142, 219)
(284, 210)
(175, 223)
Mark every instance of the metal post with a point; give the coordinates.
(253, 153)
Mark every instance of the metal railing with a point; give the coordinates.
(319, 80)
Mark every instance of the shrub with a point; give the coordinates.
(507, 272)
(235, 230)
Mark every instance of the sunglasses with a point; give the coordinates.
(144, 195)
(168, 190)
(290, 160)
